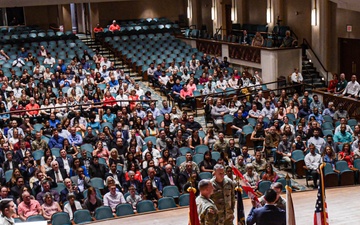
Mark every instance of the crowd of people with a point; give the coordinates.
(92, 123)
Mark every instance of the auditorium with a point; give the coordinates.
(179, 111)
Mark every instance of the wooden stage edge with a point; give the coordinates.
(343, 208)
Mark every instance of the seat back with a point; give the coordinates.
(60, 218)
(97, 182)
(166, 203)
(171, 191)
(342, 166)
(82, 216)
(198, 158)
(59, 188)
(205, 175)
(201, 149)
(215, 155)
(180, 160)
(184, 200)
(8, 175)
(297, 155)
(145, 206)
(124, 209)
(35, 218)
(357, 163)
(103, 212)
(264, 186)
(185, 150)
(328, 169)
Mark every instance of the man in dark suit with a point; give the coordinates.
(80, 180)
(186, 174)
(132, 182)
(70, 188)
(20, 154)
(245, 38)
(155, 180)
(10, 163)
(16, 190)
(117, 175)
(57, 175)
(96, 169)
(169, 178)
(64, 161)
(53, 82)
(268, 214)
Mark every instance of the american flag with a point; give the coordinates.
(321, 214)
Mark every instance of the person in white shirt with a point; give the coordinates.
(113, 198)
(139, 91)
(122, 96)
(221, 83)
(312, 162)
(233, 82)
(49, 60)
(17, 90)
(106, 62)
(153, 151)
(352, 88)
(183, 67)
(173, 69)
(267, 111)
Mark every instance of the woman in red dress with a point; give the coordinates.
(333, 83)
(347, 155)
(133, 96)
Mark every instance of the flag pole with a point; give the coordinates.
(323, 186)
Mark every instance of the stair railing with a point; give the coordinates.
(306, 43)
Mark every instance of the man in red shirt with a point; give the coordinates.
(98, 28)
(33, 114)
(113, 27)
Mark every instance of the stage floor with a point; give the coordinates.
(343, 208)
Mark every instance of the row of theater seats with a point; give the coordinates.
(104, 212)
(145, 49)
(61, 49)
(24, 37)
(142, 26)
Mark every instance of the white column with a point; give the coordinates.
(216, 14)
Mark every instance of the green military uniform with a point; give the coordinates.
(207, 211)
(224, 199)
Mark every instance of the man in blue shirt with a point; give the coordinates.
(56, 141)
(343, 136)
(166, 108)
(53, 121)
(157, 74)
(74, 138)
(176, 90)
(108, 117)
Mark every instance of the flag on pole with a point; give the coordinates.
(245, 184)
(321, 214)
(240, 207)
(290, 212)
(193, 214)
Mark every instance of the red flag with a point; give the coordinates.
(321, 214)
(245, 184)
(193, 214)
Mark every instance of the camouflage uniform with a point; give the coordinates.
(224, 199)
(207, 211)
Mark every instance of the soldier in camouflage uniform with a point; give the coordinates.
(206, 208)
(223, 196)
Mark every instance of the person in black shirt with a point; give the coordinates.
(192, 125)
(238, 122)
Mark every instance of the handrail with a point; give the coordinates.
(94, 104)
(322, 66)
